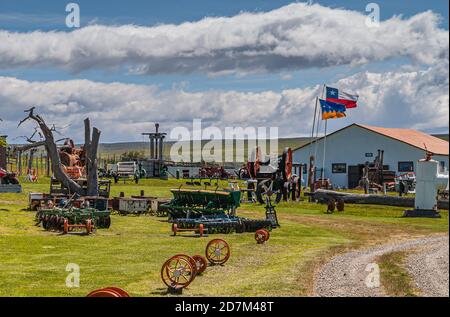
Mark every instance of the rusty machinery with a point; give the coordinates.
(376, 175)
(274, 179)
(73, 159)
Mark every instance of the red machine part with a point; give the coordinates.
(177, 272)
(262, 235)
(201, 263)
(88, 226)
(200, 230)
(287, 163)
(218, 252)
(108, 292)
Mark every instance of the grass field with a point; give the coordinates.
(131, 252)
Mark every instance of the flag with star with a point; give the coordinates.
(338, 96)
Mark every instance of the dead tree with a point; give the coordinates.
(91, 148)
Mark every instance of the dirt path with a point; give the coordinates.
(351, 274)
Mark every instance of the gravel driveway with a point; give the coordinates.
(351, 274)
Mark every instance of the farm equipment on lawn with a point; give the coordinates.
(180, 270)
(212, 211)
(68, 217)
(274, 178)
(9, 182)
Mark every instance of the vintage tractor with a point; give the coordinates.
(274, 179)
(212, 211)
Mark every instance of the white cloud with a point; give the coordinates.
(411, 99)
(295, 36)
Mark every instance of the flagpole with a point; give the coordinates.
(324, 150)
(313, 126)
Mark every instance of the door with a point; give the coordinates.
(354, 175)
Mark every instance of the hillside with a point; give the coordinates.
(117, 149)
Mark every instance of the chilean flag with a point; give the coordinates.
(338, 96)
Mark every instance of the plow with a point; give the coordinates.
(212, 211)
(68, 218)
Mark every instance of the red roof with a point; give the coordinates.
(413, 137)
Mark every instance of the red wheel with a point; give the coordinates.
(120, 291)
(218, 251)
(104, 292)
(261, 236)
(190, 259)
(66, 226)
(89, 226)
(177, 272)
(201, 263)
(174, 229)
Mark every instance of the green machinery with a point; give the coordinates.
(67, 217)
(214, 211)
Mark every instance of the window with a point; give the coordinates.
(442, 166)
(339, 168)
(405, 166)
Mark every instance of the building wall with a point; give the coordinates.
(351, 145)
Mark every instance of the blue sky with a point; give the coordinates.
(29, 15)
(395, 72)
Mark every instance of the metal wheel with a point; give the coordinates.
(218, 251)
(89, 226)
(261, 236)
(191, 260)
(109, 292)
(201, 263)
(177, 272)
(269, 190)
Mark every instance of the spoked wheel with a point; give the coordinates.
(177, 272)
(261, 236)
(201, 263)
(269, 190)
(191, 260)
(109, 292)
(218, 251)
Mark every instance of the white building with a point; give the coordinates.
(349, 148)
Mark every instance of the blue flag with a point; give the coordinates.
(332, 110)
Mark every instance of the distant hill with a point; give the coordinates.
(109, 150)
(441, 136)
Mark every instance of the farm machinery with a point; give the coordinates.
(9, 182)
(87, 215)
(212, 211)
(273, 178)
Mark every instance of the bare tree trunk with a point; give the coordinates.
(52, 152)
(91, 150)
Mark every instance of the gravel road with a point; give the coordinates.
(352, 274)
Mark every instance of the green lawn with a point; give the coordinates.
(131, 252)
